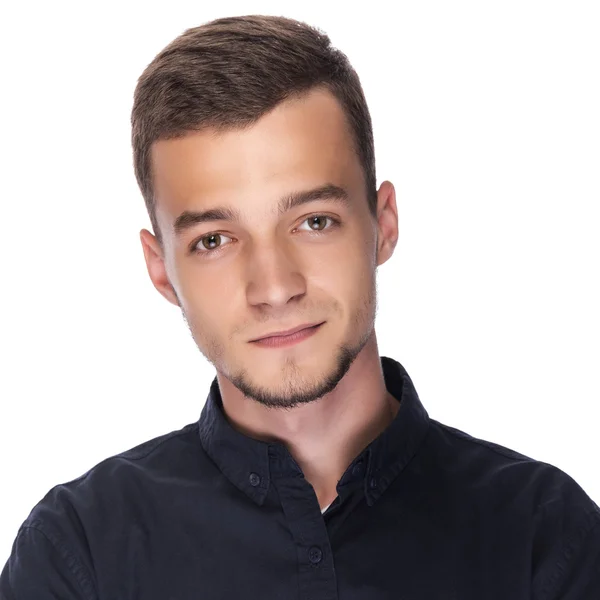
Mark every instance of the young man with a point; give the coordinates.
(314, 471)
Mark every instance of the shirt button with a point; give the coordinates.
(254, 479)
(358, 468)
(315, 555)
(373, 483)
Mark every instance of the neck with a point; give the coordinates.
(323, 436)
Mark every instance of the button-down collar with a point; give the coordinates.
(250, 464)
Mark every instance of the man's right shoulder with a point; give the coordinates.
(65, 536)
(121, 479)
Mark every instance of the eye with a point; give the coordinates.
(315, 219)
(207, 243)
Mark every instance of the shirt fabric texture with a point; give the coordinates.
(205, 512)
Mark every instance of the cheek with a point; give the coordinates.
(208, 299)
(349, 282)
(362, 286)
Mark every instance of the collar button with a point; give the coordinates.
(358, 468)
(254, 479)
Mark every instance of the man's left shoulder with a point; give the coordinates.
(506, 473)
(523, 501)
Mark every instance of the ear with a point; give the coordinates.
(155, 263)
(387, 222)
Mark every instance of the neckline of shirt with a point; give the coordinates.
(251, 464)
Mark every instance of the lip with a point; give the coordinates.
(285, 341)
(288, 331)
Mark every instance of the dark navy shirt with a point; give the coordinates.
(425, 511)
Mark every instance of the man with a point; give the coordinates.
(314, 470)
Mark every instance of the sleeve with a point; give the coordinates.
(576, 573)
(566, 544)
(40, 567)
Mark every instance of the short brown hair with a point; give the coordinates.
(227, 73)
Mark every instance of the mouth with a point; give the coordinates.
(278, 341)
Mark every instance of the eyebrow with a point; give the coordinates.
(327, 192)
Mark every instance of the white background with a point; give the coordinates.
(487, 120)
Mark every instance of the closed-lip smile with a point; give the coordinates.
(288, 331)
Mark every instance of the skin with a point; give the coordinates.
(324, 398)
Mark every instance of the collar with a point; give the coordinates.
(251, 464)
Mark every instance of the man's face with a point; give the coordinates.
(236, 281)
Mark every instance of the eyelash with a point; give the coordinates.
(335, 223)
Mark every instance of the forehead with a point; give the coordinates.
(303, 142)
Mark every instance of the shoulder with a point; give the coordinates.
(118, 479)
(56, 545)
(503, 474)
(516, 496)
